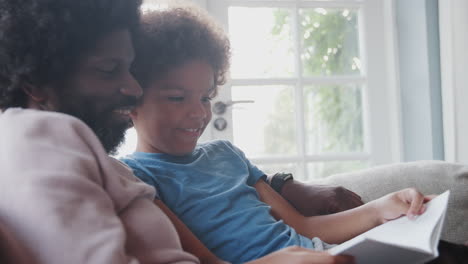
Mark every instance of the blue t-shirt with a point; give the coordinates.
(211, 191)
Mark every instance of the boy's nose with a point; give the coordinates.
(198, 110)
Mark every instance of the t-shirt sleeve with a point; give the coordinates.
(255, 173)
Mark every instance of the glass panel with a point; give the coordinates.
(266, 127)
(261, 42)
(149, 5)
(329, 41)
(318, 170)
(271, 169)
(333, 119)
(129, 146)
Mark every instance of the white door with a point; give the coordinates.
(312, 85)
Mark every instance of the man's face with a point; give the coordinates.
(102, 91)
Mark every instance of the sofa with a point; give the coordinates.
(430, 177)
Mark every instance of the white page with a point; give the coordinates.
(413, 233)
(406, 232)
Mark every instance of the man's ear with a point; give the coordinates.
(35, 93)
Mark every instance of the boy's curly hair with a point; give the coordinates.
(170, 37)
(41, 41)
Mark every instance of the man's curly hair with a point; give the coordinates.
(41, 41)
(173, 36)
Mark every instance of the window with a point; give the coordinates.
(320, 77)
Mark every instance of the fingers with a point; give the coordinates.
(427, 198)
(344, 200)
(416, 200)
(297, 255)
(342, 259)
(353, 200)
(356, 196)
(326, 258)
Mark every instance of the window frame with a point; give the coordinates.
(381, 104)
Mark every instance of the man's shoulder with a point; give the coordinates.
(22, 118)
(20, 126)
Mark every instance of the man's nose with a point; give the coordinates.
(131, 87)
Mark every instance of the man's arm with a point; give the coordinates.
(310, 199)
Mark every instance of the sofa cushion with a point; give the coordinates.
(430, 177)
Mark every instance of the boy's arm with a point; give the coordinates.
(314, 199)
(190, 243)
(334, 228)
(286, 255)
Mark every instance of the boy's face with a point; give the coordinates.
(175, 110)
(102, 90)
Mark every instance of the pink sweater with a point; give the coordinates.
(66, 201)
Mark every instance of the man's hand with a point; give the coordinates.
(297, 255)
(312, 200)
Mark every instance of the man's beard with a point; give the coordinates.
(111, 135)
(108, 126)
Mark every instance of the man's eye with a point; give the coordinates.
(176, 98)
(108, 69)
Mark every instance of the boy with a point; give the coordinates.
(182, 57)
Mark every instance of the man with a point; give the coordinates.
(61, 197)
(65, 92)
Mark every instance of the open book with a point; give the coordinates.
(401, 240)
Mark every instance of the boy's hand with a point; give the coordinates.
(408, 202)
(311, 200)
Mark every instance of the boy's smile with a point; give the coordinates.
(175, 109)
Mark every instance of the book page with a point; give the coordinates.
(420, 234)
(415, 233)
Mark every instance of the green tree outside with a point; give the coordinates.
(329, 46)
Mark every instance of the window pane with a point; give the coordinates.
(266, 127)
(261, 42)
(129, 146)
(318, 170)
(330, 42)
(333, 119)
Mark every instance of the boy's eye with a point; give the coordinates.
(206, 99)
(176, 98)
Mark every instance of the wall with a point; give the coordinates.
(419, 70)
(454, 58)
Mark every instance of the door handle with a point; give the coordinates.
(220, 107)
